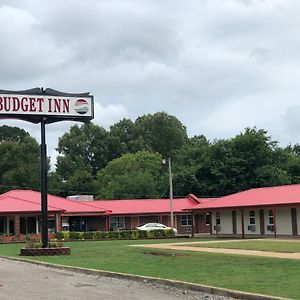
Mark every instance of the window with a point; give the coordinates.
(271, 217)
(117, 223)
(252, 217)
(207, 218)
(218, 218)
(186, 220)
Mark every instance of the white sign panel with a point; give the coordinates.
(37, 105)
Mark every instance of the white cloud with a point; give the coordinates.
(217, 65)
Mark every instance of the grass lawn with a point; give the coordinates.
(278, 277)
(273, 246)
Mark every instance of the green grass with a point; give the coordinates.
(273, 246)
(278, 277)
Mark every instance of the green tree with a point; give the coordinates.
(250, 159)
(82, 148)
(124, 138)
(161, 133)
(19, 159)
(137, 175)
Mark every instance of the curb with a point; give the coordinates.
(139, 278)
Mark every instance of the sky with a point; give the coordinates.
(219, 66)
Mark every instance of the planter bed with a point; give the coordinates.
(45, 251)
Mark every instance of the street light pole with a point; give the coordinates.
(171, 192)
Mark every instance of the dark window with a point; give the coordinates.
(271, 217)
(186, 220)
(218, 218)
(252, 217)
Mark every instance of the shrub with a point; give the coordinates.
(135, 235)
(104, 235)
(114, 235)
(150, 234)
(88, 235)
(63, 235)
(55, 243)
(125, 234)
(33, 244)
(159, 233)
(76, 235)
(169, 233)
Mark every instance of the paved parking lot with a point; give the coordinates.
(19, 280)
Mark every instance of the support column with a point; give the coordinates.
(217, 228)
(210, 223)
(7, 225)
(37, 224)
(106, 223)
(193, 229)
(58, 225)
(274, 222)
(17, 225)
(243, 223)
(160, 219)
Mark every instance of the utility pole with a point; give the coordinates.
(171, 192)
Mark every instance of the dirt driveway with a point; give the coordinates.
(188, 246)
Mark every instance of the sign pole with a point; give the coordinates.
(44, 186)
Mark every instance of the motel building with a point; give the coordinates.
(20, 213)
(270, 212)
(267, 211)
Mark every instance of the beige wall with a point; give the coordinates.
(283, 221)
(226, 222)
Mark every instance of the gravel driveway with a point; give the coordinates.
(19, 280)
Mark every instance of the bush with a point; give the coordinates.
(169, 233)
(143, 234)
(114, 235)
(159, 233)
(38, 244)
(134, 235)
(63, 235)
(125, 234)
(88, 235)
(76, 235)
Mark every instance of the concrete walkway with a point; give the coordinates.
(22, 280)
(185, 246)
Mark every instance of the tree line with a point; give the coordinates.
(125, 162)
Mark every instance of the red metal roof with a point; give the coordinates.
(145, 206)
(266, 196)
(30, 201)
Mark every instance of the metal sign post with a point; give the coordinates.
(45, 106)
(44, 185)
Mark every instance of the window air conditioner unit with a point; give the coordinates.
(270, 227)
(251, 227)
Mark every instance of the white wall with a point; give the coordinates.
(226, 222)
(283, 221)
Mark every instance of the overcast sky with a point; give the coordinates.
(217, 65)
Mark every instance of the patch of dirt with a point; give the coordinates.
(158, 253)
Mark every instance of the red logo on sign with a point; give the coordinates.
(81, 106)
